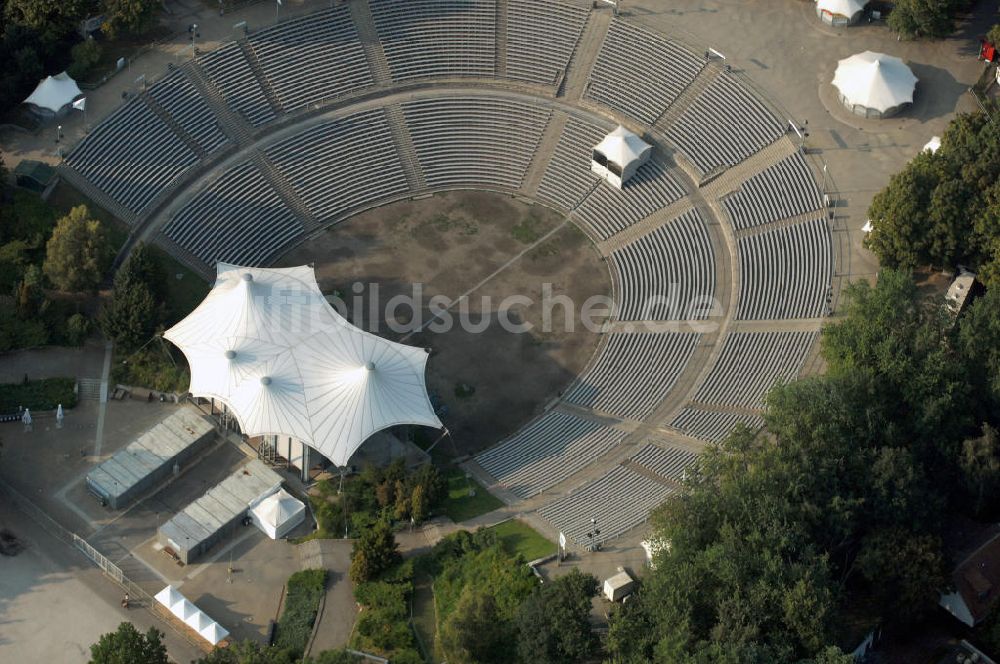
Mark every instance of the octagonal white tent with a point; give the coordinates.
(840, 12)
(619, 155)
(874, 84)
(54, 92)
(267, 344)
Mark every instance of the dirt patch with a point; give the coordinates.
(446, 246)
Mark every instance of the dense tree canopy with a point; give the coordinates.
(127, 645)
(131, 317)
(925, 18)
(840, 504)
(943, 209)
(374, 552)
(553, 624)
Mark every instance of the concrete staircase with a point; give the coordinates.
(687, 96)
(261, 77)
(734, 177)
(574, 82)
(404, 147)
(233, 125)
(362, 16)
(286, 192)
(168, 119)
(540, 158)
(500, 68)
(644, 227)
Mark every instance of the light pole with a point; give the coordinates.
(593, 543)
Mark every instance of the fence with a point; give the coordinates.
(135, 592)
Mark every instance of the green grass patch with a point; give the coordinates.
(45, 394)
(303, 593)
(459, 505)
(519, 537)
(527, 231)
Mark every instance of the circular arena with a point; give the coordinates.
(717, 255)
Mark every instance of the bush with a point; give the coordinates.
(17, 333)
(43, 394)
(153, 368)
(85, 55)
(77, 329)
(383, 627)
(304, 591)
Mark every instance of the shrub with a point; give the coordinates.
(304, 591)
(43, 394)
(77, 329)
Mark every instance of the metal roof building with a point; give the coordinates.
(196, 528)
(148, 460)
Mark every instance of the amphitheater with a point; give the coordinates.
(245, 152)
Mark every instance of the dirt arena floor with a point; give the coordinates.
(488, 247)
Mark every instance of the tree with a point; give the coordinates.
(924, 18)
(249, 652)
(334, 657)
(127, 645)
(133, 16)
(475, 633)
(78, 252)
(129, 318)
(373, 553)
(401, 510)
(51, 18)
(905, 571)
(553, 624)
(418, 504)
(993, 36)
(980, 465)
(979, 344)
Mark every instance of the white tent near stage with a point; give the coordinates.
(267, 344)
(191, 615)
(874, 85)
(617, 157)
(840, 12)
(54, 92)
(932, 145)
(277, 514)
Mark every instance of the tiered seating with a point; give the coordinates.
(481, 142)
(228, 68)
(342, 165)
(314, 58)
(724, 125)
(633, 373)
(237, 219)
(132, 156)
(785, 272)
(668, 274)
(619, 501)
(712, 425)
(178, 97)
(567, 178)
(423, 38)
(783, 190)
(751, 363)
(640, 73)
(547, 451)
(541, 36)
(667, 462)
(609, 210)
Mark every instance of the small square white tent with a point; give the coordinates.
(619, 155)
(277, 514)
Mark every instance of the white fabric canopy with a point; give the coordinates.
(278, 513)
(846, 8)
(623, 147)
(875, 80)
(267, 344)
(54, 92)
(191, 615)
(933, 144)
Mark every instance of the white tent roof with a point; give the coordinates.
(193, 617)
(622, 146)
(933, 144)
(214, 633)
(846, 8)
(875, 80)
(276, 510)
(54, 92)
(265, 342)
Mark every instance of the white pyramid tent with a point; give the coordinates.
(267, 344)
(214, 633)
(619, 155)
(198, 621)
(169, 596)
(54, 92)
(277, 514)
(933, 144)
(840, 12)
(874, 84)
